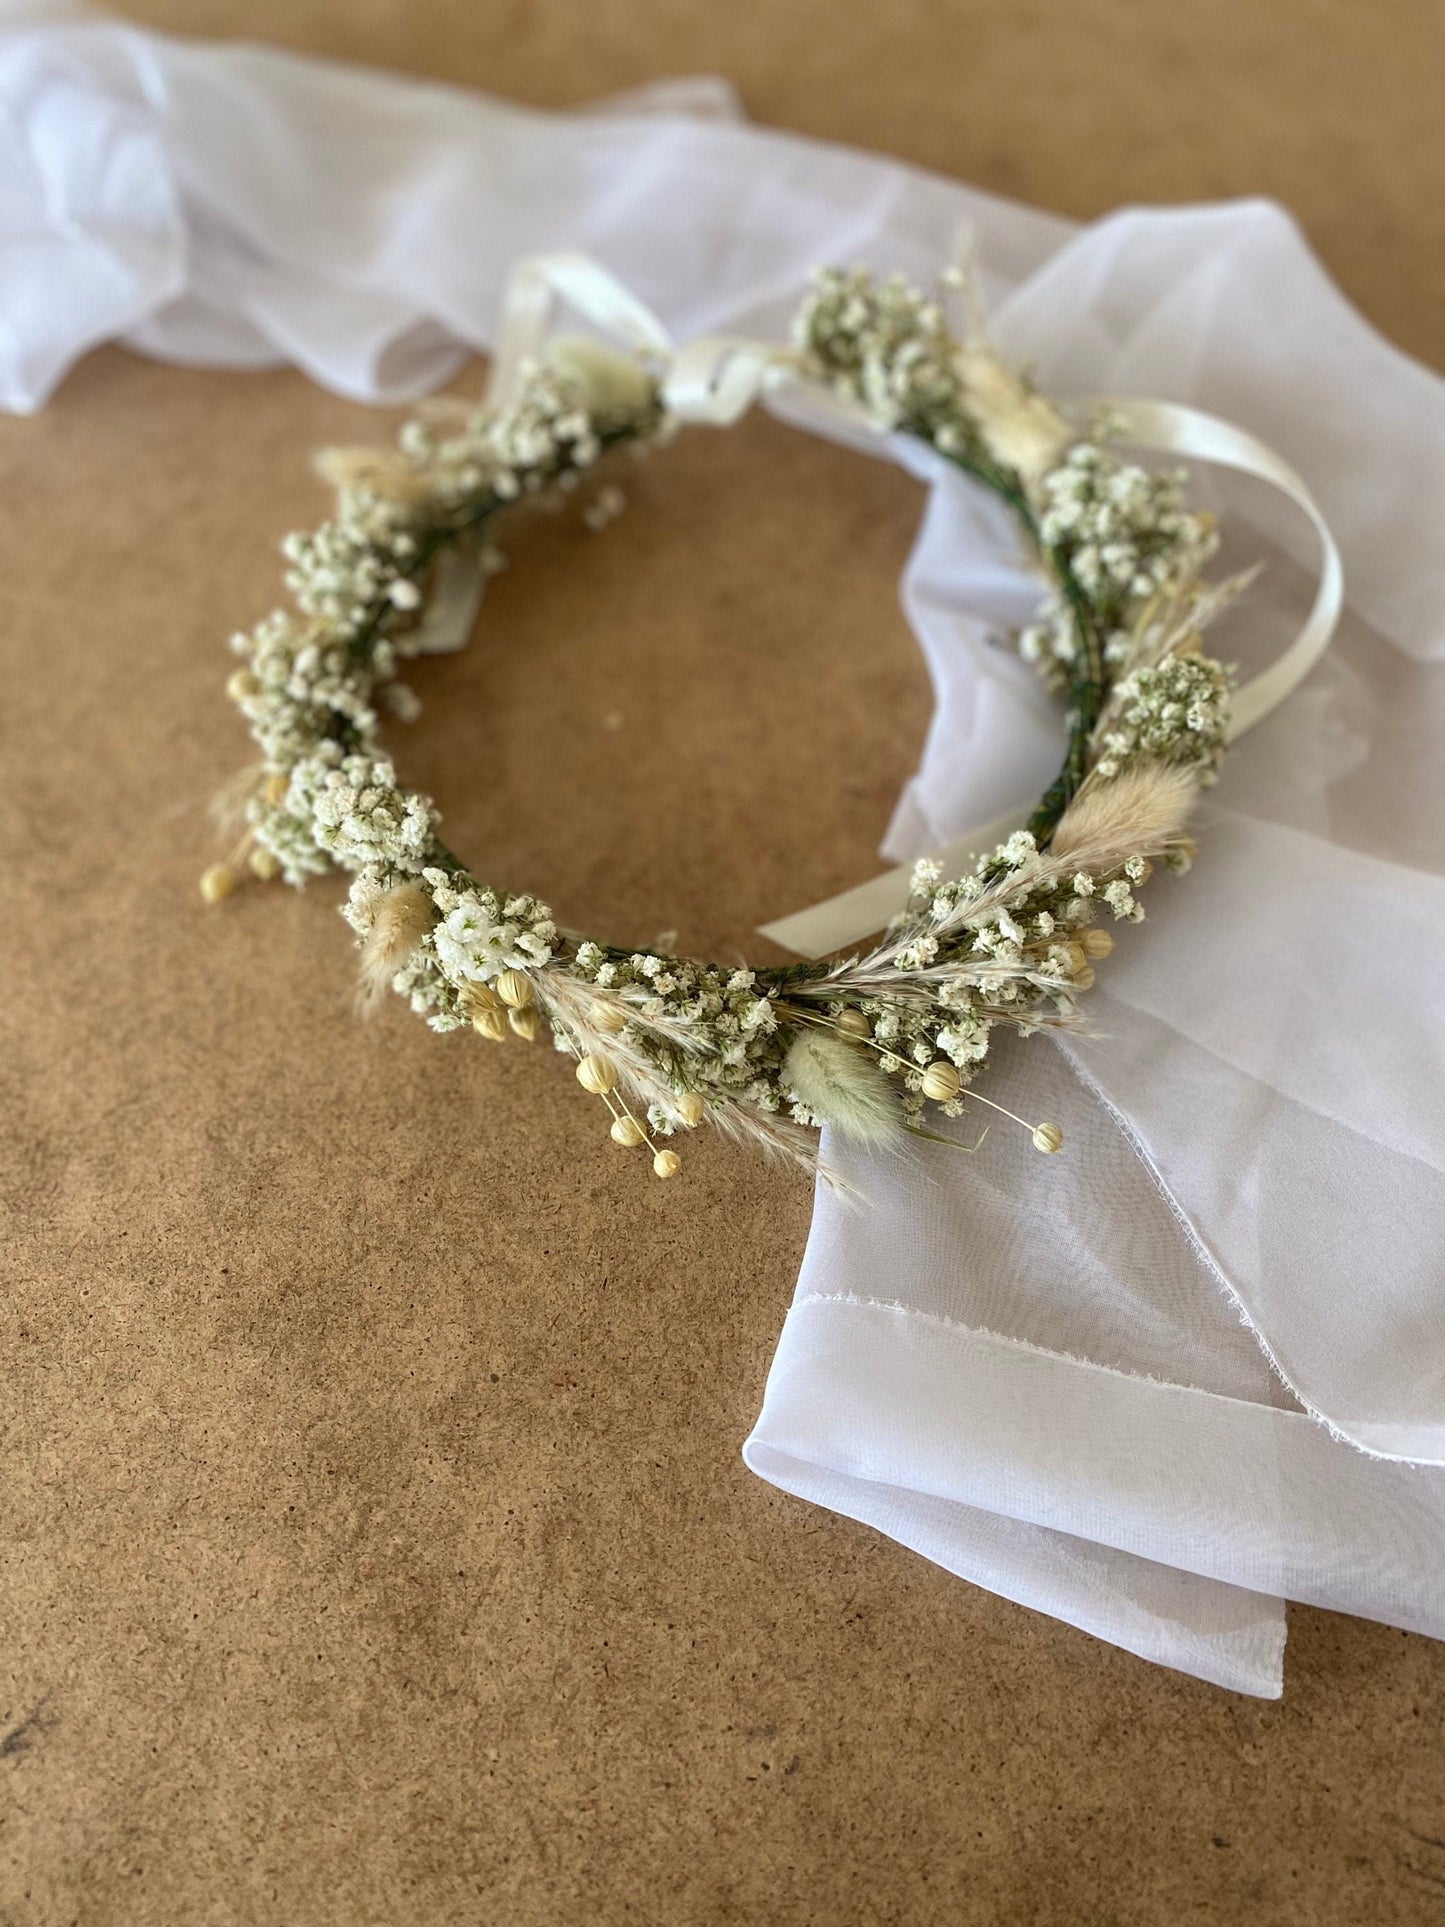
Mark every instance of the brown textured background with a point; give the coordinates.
(377, 1546)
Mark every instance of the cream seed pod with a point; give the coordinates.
(263, 863)
(690, 1109)
(941, 1081)
(852, 1023)
(514, 989)
(667, 1164)
(1097, 944)
(1084, 977)
(485, 1011)
(608, 1018)
(525, 1023)
(1048, 1137)
(627, 1131)
(596, 1073)
(218, 882)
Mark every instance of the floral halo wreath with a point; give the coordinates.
(860, 1043)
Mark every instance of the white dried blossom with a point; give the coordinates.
(1176, 711)
(1019, 426)
(358, 815)
(1119, 536)
(887, 346)
(1121, 900)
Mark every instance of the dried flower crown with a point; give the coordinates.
(860, 1043)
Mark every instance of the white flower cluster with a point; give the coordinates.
(298, 682)
(546, 431)
(911, 1035)
(1011, 940)
(359, 817)
(1123, 537)
(288, 838)
(886, 345)
(477, 935)
(429, 994)
(702, 1027)
(347, 572)
(1175, 711)
(1121, 528)
(481, 934)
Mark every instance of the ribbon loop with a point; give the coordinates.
(1169, 428)
(717, 379)
(714, 380)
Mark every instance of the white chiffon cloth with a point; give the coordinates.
(1195, 1366)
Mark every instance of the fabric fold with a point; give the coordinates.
(1230, 1490)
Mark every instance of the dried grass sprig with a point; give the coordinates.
(575, 1009)
(602, 1014)
(776, 1136)
(879, 975)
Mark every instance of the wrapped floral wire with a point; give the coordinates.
(864, 1043)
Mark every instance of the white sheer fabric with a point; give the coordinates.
(1051, 1376)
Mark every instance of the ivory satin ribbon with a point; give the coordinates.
(715, 379)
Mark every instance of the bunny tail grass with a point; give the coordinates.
(842, 1087)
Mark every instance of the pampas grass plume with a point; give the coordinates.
(842, 1087)
(1137, 814)
(400, 919)
(382, 471)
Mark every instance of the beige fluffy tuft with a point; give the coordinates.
(843, 1087)
(380, 471)
(1137, 814)
(400, 919)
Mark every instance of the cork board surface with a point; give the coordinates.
(377, 1546)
